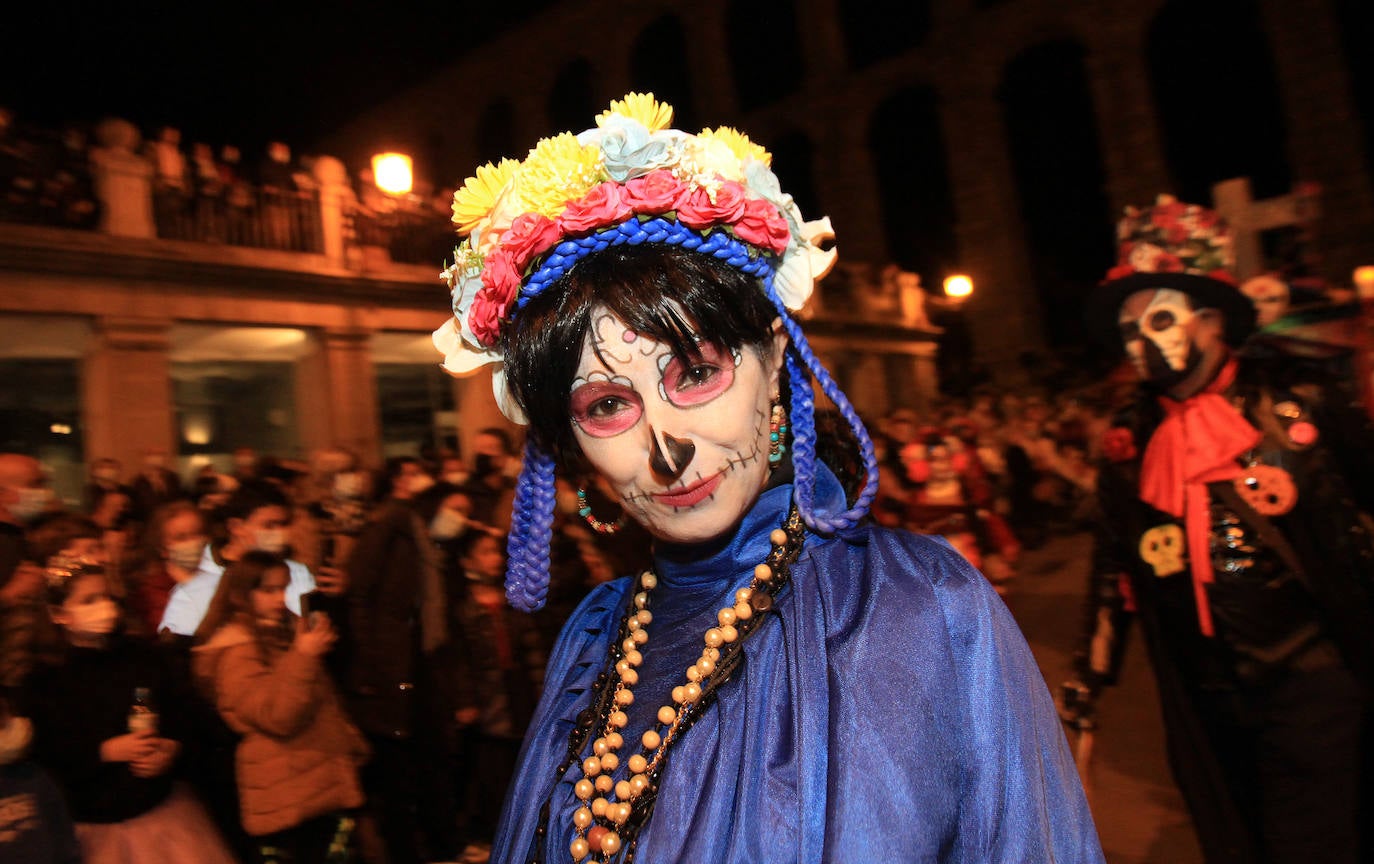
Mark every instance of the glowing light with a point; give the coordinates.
(392, 173)
(60, 429)
(1364, 281)
(958, 286)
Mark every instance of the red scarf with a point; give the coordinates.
(1196, 444)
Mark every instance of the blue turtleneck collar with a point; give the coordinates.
(701, 564)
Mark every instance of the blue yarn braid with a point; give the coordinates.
(527, 573)
(527, 568)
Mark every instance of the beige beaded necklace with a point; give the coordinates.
(612, 812)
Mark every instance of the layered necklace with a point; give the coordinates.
(612, 812)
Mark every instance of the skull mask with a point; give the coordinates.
(1164, 322)
(1270, 297)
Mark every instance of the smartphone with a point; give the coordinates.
(310, 603)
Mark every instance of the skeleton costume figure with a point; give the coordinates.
(785, 673)
(1232, 524)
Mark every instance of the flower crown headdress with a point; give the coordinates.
(628, 172)
(632, 179)
(1173, 237)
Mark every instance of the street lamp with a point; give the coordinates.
(392, 173)
(1363, 278)
(958, 287)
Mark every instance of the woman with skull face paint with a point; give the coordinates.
(1232, 500)
(117, 778)
(638, 282)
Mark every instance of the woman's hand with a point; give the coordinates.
(315, 636)
(159, 761)
(130, 747)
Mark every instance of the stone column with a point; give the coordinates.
(1004, 314)
(336, 197)
(336, 394)
(123, 181)
(1132, 153)
(1324, 143)
(127, 389)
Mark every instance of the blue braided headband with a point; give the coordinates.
(527, 573)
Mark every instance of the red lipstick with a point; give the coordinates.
(689, 496)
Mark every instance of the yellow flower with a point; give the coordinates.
(738, 143)
(558, 170)
(642, 107)
(474, 200)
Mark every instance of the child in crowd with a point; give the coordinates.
(107, 721)
(505, 676)
(297, 762)
(170, 554)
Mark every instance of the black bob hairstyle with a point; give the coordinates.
(662, 291)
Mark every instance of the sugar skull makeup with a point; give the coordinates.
(682, 441)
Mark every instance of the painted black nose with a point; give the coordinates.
(676, 460)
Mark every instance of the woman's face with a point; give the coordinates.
(684, 445)
(182, 527)
(269, 598)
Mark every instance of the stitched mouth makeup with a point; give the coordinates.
(691, 494)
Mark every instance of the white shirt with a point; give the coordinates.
(190, 600)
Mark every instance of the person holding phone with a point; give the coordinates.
(297, 763)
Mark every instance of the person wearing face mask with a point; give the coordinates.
(491, 485)
(117, 776)
(169, 553)
(395, 641)
(23, 498)
(255, 517)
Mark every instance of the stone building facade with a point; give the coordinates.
(820, 80)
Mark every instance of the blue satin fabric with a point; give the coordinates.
(889, 711)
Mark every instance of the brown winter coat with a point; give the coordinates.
(299, 755)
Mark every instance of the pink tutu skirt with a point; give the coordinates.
(177, 831)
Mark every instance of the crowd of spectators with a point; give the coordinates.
(207, 195)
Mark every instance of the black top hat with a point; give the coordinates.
(1177, 246)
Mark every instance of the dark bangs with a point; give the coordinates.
(661, 291)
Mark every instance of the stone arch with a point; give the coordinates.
(878, 31)
(912, 176)
(1056, 161)
(765, 54)
(1216, 96)
(659, 64)
(573, 98)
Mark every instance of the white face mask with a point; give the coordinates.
(14, 739)
(418, 483)
(94, 619)
(270, 540)
(447, 524)
(348, 485)
(32, 503)
(186, 554)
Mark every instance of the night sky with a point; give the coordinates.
(240, 73)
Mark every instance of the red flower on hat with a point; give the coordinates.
(530, 235)
(656, 192)
(1168, 262)
(604, 205)
(698, 210)
(1118, 444)
(1222, 276)
(500, 282)
(1120, 271)
(762, 225)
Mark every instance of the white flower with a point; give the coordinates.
(804, 263)
(630, 150)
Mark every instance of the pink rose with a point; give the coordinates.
(500, 275)
(654, 193)
(762, 225)
(604, 205)
(529, 236)
(484, 318)
(698, 211)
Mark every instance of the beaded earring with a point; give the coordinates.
(584, 510)
(777, 433)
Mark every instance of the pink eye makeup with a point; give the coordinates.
(698, 380)
(603, 408)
